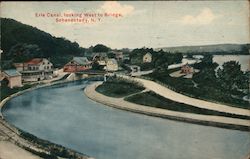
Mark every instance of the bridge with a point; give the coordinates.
(91, 72)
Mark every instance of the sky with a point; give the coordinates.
(151, 24)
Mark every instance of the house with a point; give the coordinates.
(13, 77)
(77, 64)
(187, 69)
(111, 65)
(36, 69)
(147, 58)
(100, 58)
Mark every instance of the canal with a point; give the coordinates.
(64, 115)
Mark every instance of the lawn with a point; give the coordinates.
(206, 90)
(119, 87)
(154, 100)
(6, 91)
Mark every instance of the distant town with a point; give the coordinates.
(42, 69)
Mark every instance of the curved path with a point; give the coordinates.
(122, 104)
(172, 95)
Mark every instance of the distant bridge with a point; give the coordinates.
(91, 72)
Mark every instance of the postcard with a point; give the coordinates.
(125, 80)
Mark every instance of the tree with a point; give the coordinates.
(100, 48)
(189, 56)
(207, 59)
(206, 77)
(23, 42)
(178, 57)
(207, 62)
(111, 55)
(23, 52)
(231, 77)
(96, 66)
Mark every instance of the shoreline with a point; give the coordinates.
(208, 120)
(14, 136)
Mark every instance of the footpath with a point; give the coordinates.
(177, 97)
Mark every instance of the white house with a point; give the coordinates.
(100, 58)
(14, 78)
(111, 65)
(35, 69)
(147, 58)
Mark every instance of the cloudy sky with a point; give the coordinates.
(144, 23)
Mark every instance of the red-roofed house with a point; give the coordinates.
(187, 69)
(35, 69)
(77, 64)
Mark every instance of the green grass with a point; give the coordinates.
(54, 149)
(152, 99)
(119, 87)
(6, 91)
(211, 92)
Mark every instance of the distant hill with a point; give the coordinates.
(20, 42)
(212, 49)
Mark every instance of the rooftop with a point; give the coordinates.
(34, 61)
(81, 60)
(12, 72)
(113, 61)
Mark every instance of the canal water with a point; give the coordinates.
(64, 115)
(243, 60)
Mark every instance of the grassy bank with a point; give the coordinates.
(206, 90)
(6, 91)
(119, 87)
(154, 100)
(54, 150)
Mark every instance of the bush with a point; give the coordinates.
(6, 91)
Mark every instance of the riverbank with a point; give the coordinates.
(210, 120)
(26, 145)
